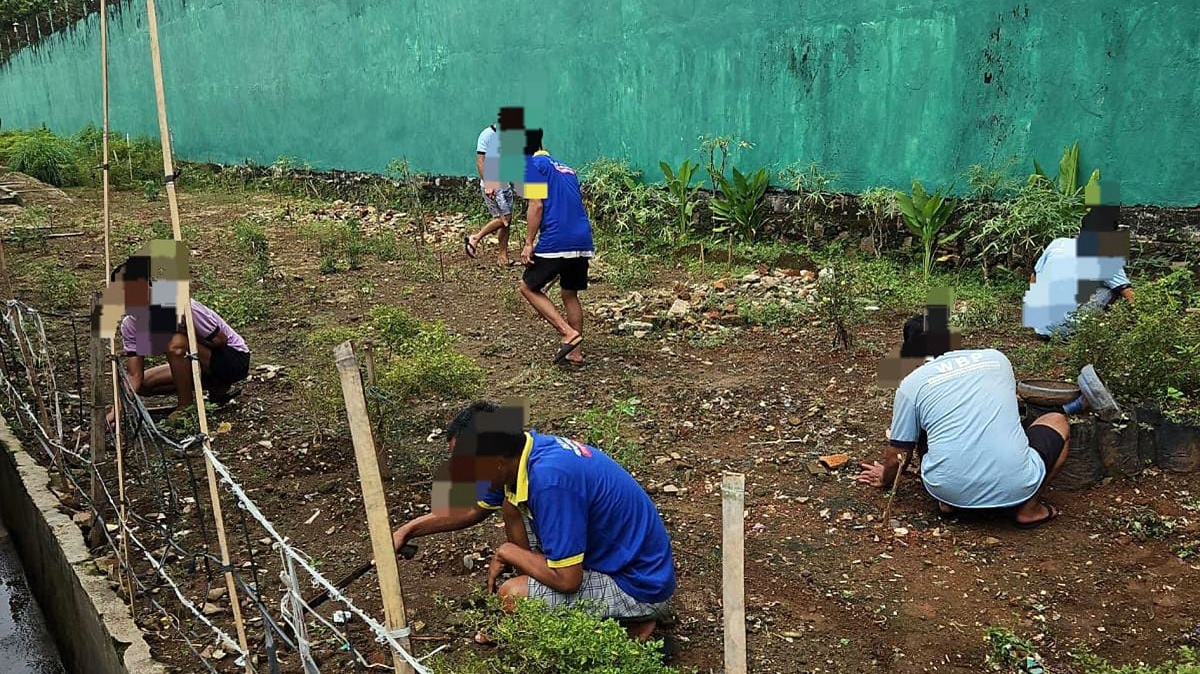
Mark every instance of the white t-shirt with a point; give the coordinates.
(489, 145)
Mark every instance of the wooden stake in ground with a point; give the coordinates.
(373, 499)
(733, 579)
(201, 414)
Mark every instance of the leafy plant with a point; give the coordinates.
(151, 190)
(838, 304)
(990, 182)
(926, 214)
(682, 196)
(1067, 180)
(879, 205)
(250, 236)
(1013, 233)
(712, 146)
(812, 184)
(739, 205)
(1148, 524)
(1010, 652)
(536, 639)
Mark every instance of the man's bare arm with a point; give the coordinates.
(436, 523)
(533, 564)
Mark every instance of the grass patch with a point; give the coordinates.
(54, 287)
(605, 428)
(1186, 661)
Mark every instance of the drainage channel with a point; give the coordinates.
(25, 643)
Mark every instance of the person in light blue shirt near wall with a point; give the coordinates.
(958, 411)
(1084, 273)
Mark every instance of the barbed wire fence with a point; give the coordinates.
(159, 548)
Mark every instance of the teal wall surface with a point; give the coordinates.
(878, 90)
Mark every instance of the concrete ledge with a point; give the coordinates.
(90, 624)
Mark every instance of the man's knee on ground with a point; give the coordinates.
(178, 346)
(1056, 420)
(512, 590)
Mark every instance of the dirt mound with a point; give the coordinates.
(30, 190)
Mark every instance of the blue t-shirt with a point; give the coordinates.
(1062, 275)
(585, 508)
(565, 230)
(979, 455)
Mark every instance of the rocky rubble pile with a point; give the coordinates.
(709, 305)
(440, 228)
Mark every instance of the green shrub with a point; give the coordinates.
(250, 236)
(335, 240)
(46, 157)
(536, 639)
(618, 202)
(1148, 351)
(739, 204)
(879, 205)
(395, 326)
(1014, 232)
(1186, 662)
(54, 286)
(837, 302)
(979, 312)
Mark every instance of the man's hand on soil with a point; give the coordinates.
(872, 474)
(495, 568)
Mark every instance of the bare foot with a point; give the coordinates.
(641, 631)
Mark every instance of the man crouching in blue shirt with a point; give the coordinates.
(960, 406)
(594, 537)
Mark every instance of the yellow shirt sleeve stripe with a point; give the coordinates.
(535, 190)
(569, 561)
(486, 506)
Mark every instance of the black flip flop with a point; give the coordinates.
(565, 349)
(1052, 514)
(224, 398)
(470, 249)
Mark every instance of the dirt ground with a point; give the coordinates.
(828, 588)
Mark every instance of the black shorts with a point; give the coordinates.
(1047, 443)
(571, 272)
(226, 366)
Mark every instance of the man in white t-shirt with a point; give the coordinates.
(497, 196)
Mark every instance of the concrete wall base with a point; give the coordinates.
(90, 624)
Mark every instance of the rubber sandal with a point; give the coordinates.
(469, 248)
(947, 515)
(1097, 395)
(1052, 514)
(224, 398)
(565, 349)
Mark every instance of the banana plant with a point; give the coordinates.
(679, 186)
(926, 215)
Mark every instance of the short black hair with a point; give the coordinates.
(136, 268)
(485, 428)
(466, 418)
(533, 141)
(919, 341)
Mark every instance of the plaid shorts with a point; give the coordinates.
(501, 201)
(598, 592)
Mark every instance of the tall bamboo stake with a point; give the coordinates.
(125, 571)
(201, 413)
(733, 579)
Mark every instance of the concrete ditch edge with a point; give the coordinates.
(90, 624)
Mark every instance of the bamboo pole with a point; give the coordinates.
(104, 137)
(733, 579)
(201, 413)
(97, 442)
(374, 500)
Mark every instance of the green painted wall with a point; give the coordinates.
(880, 90)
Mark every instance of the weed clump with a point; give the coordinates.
(536, 639)
(1148, 349)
